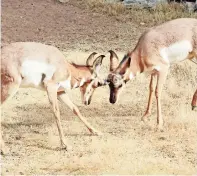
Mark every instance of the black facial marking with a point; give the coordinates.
(125, 81)
(99, 84)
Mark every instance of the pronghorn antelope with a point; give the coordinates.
(29, 64)
(194, 100)
(156, 50)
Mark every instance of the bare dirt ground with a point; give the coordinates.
(127, 146)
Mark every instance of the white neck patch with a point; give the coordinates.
(82, 82)
(75, 85)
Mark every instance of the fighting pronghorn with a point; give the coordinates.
(29, 64)
(156, 50)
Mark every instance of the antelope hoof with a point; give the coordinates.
(65, 146)
(193, 107)
(160, 128)
(142, 122)
(96, 132)
(145, 117)
(4, 151)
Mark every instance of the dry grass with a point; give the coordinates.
(149, 16)
(127, 146)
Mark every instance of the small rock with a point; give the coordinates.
(63, 1)
(142, 23)
(162, 138)
(18, 137)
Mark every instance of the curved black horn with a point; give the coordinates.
(98, 60)
(114, 61)
(89, 61)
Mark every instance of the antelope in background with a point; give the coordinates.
(30, 64)
(194, 100)
(156, 50)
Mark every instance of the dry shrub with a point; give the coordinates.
(150, 16)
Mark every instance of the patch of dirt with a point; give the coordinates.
(63, 25)
(127, 146)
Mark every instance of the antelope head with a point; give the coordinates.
(117, 76)
(95, 81)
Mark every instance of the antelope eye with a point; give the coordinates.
(109, 77)
(115, 80)
(99, 84)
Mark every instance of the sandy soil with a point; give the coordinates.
(127, 146)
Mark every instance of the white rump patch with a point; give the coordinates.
(75, 85)
(33, 70)
(176, 52)
(82, 82)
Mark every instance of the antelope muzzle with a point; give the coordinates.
(113, 95)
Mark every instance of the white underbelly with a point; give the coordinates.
(176, 52)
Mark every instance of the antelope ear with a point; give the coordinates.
(97, 63)
(124, 64)
(114, 61)
(89, 61)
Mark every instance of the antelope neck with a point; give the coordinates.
(79, 75)
(135, 66)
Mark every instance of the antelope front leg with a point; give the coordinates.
(52, 95)
(149, 107)
(161, 77)
(62, 96)
(194, 100)
(3, 148)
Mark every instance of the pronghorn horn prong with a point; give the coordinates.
(114, 61)
(89, 61)
(98, 61)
